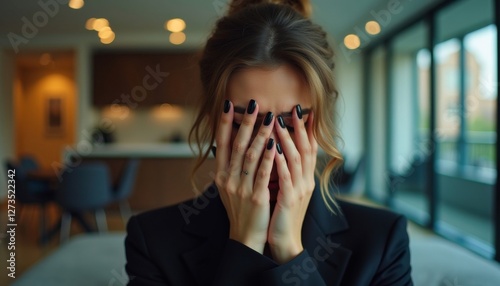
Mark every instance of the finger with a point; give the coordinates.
(302, 142)
(242, 140)
(264, 172)
(223, 139)
(290, 152)
(285, 177)
(256, 148)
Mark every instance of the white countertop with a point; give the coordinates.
(142, 150)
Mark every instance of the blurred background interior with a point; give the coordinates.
(97, 98)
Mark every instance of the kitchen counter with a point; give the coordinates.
(142, 150)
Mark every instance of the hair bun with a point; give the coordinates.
(301, 6)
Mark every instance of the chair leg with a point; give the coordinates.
(100, 218)
(125, 211)
(42, 223)
(65, 227)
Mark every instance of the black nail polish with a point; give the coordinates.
(268, 119)
(251, 106)
(281, 121)
(299, 111)
(278, 148)
(227, 105)
(270, 143)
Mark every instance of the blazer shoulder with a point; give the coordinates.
(357, 214)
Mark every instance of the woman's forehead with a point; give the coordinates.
(279, 88)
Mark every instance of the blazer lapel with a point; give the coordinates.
(317, 231)
(209, 223)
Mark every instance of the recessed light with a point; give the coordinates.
(352, 41)
(175, 25)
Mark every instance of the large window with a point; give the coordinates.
(437, 78)
(409, 127)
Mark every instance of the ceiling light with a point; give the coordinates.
(89, 25)
(76, 4)
(177, 38)
(352, 41)
(175, 25)
(105, 32)
(100, 23)
(372, 27)
(109, 39)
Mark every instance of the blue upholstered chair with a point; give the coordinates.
(31, 192)
(124, 187)
(84, 188)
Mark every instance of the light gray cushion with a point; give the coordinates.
(88, 259)
(438, 262)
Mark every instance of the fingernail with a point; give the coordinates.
(214, 150)
(227, 105)
(251, 106)
(270, 143)
(268, 119)
(278, 148)
(281, 121)
(299, 111)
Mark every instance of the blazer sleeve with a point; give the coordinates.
(140, 268)
(242, 265)
(395, 269)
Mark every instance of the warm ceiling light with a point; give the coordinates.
(89, 25)
(100, 23)
(76, 4)
(372, 27)
(105, 32)
(109, 39)
(352, 41)
(175, 25)
(177, 38)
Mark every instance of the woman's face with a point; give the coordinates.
(276, 90)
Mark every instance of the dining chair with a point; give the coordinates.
(31, 192)
(123, 189)
(84, 188)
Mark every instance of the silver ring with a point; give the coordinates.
(244, 172)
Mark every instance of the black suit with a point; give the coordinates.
(187, 244)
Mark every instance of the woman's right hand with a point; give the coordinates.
(241, 179)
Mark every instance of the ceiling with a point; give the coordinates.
(141, 22)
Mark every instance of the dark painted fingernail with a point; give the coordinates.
(270, 143)
(214, 150)
(281, 121)
(227, 105)
(268, 119)
(278, 148)
(251, 106)
(299, 111)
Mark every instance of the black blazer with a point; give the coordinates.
(187, 244)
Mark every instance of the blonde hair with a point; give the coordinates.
(263, 35)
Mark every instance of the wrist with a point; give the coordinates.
(284, 253)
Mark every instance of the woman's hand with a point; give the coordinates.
(295, 165)
(241, 179)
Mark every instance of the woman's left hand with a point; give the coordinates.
(295, 168)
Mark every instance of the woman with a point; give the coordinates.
(269, 97)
